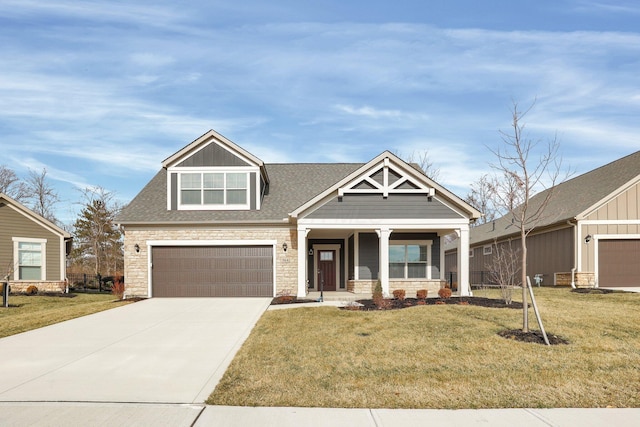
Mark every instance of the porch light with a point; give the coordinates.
(284, 246)
(588, 238)
(137, 248)
(310, 252)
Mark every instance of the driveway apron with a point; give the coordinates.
(161, 350)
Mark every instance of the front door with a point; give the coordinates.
(326, 270)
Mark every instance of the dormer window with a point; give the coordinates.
(203, 190)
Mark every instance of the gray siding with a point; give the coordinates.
(252, 191)
(14, 224)
(174, 191)
(351, 251)
(369, 262)
(374, 206)
(212, 155)
(547, 253)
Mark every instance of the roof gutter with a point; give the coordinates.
(575, 252)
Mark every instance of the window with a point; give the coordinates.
(214, 189)
(487, 250)
(409, 260)
(30, 255)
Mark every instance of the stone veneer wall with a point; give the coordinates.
(136, 268)
(583, 280)
(49, 286)
(410, 286)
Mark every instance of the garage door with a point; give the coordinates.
(212, 271)
(619, 263)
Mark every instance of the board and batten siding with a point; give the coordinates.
(548, 253)
(14, 224)
(621, 215)
(212, 155)
(374, 206)
(625, 206)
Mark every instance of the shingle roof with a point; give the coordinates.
(571, 198)
(291, 185)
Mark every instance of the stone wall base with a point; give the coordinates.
(49, 286)
(583, 279)
(410, 286)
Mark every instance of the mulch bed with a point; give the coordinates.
(532, 337)
(596, 291)
(395, 304)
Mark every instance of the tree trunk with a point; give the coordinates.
(525, 305)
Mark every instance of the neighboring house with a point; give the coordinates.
(33, 250)
(218, 221)
(589, 236)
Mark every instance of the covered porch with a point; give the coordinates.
(343, 259)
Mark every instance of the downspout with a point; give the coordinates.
(575, 253)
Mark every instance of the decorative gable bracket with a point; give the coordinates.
(384, 179)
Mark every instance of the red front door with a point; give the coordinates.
(326, 270)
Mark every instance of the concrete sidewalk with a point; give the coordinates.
(106, 414)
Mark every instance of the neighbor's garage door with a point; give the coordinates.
(212, 271)
(619, 262)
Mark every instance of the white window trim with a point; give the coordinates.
(16, 256)
(487, 250)
(428, 244)
(209, 207)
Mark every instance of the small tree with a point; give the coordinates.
(521, 171)
(503, 268)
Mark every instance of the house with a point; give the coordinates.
(588, 236)
(33, 250)
(217, 221)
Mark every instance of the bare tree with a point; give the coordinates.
(482, 196)
(41, 195)
(503, 268)
(524, 167)
(422, 159)
(11, 185)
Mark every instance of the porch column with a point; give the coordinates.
(463, 262)
(383, 235)
(302, 262)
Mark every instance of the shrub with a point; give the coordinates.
(399, 294)
(421, 302)
(444, 293)
(117, 289)
(285, 296)
(32, 290)
(384, 304)
(377, 296)
(421, 294)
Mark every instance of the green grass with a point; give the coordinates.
(441, 356)
(31, 312)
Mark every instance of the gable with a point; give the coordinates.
(624, 206)
(212, 155)
(410, 194)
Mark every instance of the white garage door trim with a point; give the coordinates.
(597, 237)
(152, 243)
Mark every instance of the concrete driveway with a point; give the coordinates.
(171, 350)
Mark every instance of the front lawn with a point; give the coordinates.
(31, 312)
(441, 356)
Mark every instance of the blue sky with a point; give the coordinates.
(100, 92)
